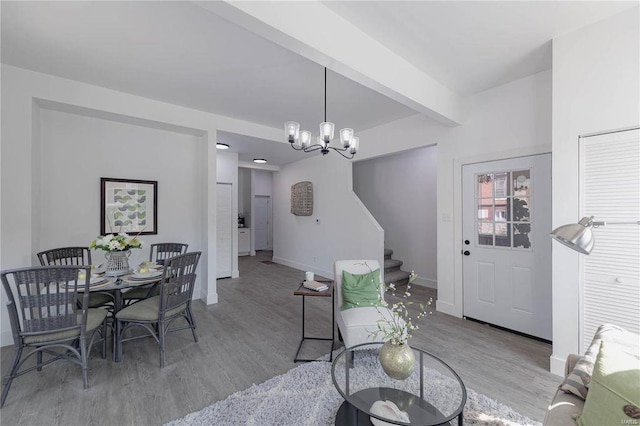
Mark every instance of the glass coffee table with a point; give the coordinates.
(433, 395)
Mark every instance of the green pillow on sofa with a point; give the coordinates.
(360, 290)
(614, 395)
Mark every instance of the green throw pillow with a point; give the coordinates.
(360, 290)
(614, 396)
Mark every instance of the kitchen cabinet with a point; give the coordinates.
(244, 241)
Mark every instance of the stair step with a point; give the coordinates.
(392, 264)
(388, 253)
(397, 277)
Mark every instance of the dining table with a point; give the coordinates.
(117, 286)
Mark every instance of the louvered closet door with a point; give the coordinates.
(610, 191)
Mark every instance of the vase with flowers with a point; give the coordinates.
(118, 249)
(396, 356)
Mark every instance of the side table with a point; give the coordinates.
(304, 292)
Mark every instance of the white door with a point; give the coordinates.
(506, 244)
(224, 230)
(261, 222)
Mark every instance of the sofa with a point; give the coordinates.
(566, 407)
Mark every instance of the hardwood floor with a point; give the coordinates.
(250, 336)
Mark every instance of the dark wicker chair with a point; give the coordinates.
(158, 253)
(157, 313)
(44, 318)
(80, 256)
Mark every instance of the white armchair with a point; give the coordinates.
(356, 324)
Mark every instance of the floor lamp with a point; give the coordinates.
(579, 236)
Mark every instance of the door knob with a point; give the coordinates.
(466, 252)
(467, 242)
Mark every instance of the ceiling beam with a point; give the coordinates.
(315, 32)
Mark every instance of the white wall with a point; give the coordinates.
(346, 230)
(262, 182)
(76, 151)
(227, 172)
(400, 192)
(25, 94)
(508, 121)
(244, 194)
(596, 73)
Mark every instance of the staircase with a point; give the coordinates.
(392, 272)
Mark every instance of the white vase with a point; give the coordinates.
(117, 263)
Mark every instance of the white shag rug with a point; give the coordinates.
(306, 395)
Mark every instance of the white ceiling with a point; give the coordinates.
(471, 46)
(181, 53)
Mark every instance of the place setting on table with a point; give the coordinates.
(97, 278)
(146, 271)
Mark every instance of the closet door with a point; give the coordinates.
(610, 191)
(224, 227)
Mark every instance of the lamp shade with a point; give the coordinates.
(577, 236)
(292, 129)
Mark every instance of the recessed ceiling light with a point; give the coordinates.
(259, 160)
(222, 146)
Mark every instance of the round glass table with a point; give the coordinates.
(433, 395)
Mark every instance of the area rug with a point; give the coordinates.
(306, 395)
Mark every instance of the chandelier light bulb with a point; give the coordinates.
(355, 143)
(305, 138)
(292, 130)
(326, 131)
(345, 137)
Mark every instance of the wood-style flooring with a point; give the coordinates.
(250, 336)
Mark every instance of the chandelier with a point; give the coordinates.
(301, 140)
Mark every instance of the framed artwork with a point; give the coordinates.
(129, 206)
(302, 199)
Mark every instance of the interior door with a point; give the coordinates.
(262, 222)
(224, 230)
(506, 246)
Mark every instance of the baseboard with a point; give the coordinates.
(446, 308)
(209, 299)
(303, 267)
(426, 282)
(556, 365)
(235, 274)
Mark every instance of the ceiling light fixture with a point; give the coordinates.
(301, 140)
(259, 160)
(221, 145)
(578, 236)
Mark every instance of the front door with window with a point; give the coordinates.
(506, 247)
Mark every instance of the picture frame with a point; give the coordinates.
(128, 205)
(302, 198)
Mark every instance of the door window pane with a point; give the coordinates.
(521, 209)
(502, 187)
(501, 229)
(485, 233)
(485, 185)
(485, 208)
(521, 183)
(521, 235)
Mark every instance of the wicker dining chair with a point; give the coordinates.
(158, 253)
(76, 256)
(157, 313)
(44, 318)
